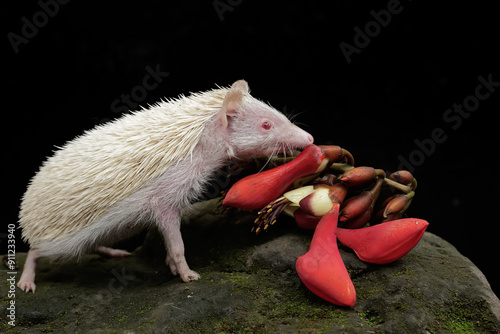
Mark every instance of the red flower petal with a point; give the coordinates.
(386, 242)
(304, 220)
(257, 190)
(317, 203)
(321, 269)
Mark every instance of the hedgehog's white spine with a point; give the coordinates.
(119, 158)
(170, 191)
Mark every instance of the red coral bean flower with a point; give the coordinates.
(257, 190)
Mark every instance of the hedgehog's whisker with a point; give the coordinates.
(271, 156)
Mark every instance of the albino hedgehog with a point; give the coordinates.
(147, 166)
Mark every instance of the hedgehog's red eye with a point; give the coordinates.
(266, 125)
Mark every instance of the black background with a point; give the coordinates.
(394, 91)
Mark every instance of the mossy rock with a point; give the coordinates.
(249, 285)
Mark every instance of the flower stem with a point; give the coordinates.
(398, 186)
(341, 167)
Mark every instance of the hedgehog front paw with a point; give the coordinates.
(182, 269)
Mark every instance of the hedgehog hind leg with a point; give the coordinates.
(27, 280)
(111, 252)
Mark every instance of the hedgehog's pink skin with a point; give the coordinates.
(27, 280)
(145, 167)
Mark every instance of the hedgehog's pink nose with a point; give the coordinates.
(301, 137)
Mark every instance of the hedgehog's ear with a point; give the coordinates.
(241, 85)
(231, 102)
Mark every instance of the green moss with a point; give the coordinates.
(371, 318)
(405, 271)
(304, 308)
(9, 329)
(402, 306)
(464, 316)
(143, 310)
(277, 302)
(125, 318)
(146, 326)
(414, 294)
(459, 325)
(226, 327)
(364, 292)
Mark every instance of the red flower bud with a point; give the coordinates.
(359, 221)
(336, 153)
(402, 176)
(396, 205)
(356, 206)
(358, 176)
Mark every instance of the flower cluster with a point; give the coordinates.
(321, 189)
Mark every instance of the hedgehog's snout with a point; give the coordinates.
(299, 138)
